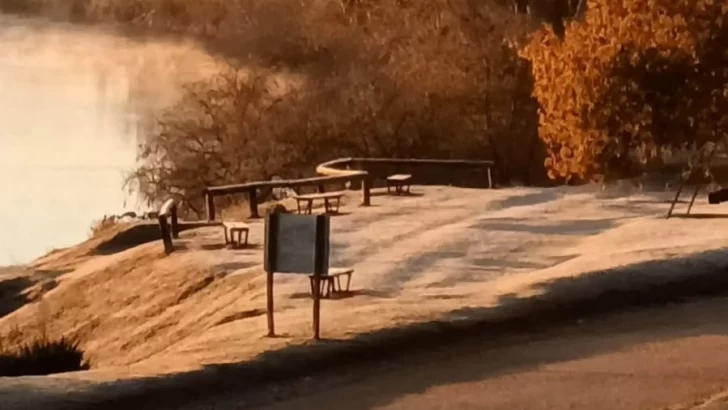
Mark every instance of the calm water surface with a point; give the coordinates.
(66, 143)
(69, 104)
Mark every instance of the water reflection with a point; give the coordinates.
(70, 99)
(64, 149)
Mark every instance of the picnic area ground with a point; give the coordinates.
(442, 255)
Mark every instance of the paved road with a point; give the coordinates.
(675, 357)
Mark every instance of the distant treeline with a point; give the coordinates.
(551, 90)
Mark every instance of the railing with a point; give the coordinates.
(357, 171)
(251, 190)
(168, 224)
(343, 166)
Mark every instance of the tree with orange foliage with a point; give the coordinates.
(635, 77)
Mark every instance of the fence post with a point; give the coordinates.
(210, 204)
(174, 221)
(366, 188)
(166, 237)
(253, 203)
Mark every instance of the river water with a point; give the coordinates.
(70, 103)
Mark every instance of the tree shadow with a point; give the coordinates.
(380, 192)
(700, 216)
(340, 295)
(533, 198)
(559, 305)
(11, 294)
(231, 267)
(578, 227)
(26, 285)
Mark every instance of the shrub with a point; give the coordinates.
(385, 78)
(100, 225)
(635, 79)
(42, 356)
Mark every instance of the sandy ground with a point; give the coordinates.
(670, 358)
(444, 254)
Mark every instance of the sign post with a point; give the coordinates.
(296, 244)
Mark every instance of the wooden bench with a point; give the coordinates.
(332, 201)
(232, 228)
(399, 181)
(331, 283)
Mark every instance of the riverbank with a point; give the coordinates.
(437, 263)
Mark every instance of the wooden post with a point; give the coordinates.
(366, 189)
(174, 221)
(269, 294)
(677, 197)
(253, 203)
(490, 178)
(317, 307)
(692, 200)
(210, 203)
(269, 264)
(166, 237)
(321, 267)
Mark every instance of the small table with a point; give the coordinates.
(399, 182)
(232, 228)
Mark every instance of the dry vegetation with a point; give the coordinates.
(385, 78)
(638, 78)
(616, 82)
(41, 356)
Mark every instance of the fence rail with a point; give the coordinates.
(357, 171)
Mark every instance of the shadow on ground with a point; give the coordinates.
(562, 302)
(25, 286)
(141, 233)
(700, 216)
(11, 294)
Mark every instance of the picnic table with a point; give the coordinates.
(399, 182)
(332, 201)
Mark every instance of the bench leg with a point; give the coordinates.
(227, 240)
(325, 289)
(298, 205)
(247, 233)
(348, 281)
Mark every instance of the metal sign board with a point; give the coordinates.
(297, 243)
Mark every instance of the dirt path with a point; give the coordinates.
(675, 357)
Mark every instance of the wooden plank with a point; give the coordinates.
(343, 162)
(314, 181)
(399, 177)
(235, 225)
(325, 195)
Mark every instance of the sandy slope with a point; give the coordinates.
(416, 258)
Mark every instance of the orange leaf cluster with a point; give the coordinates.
(633, 77)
